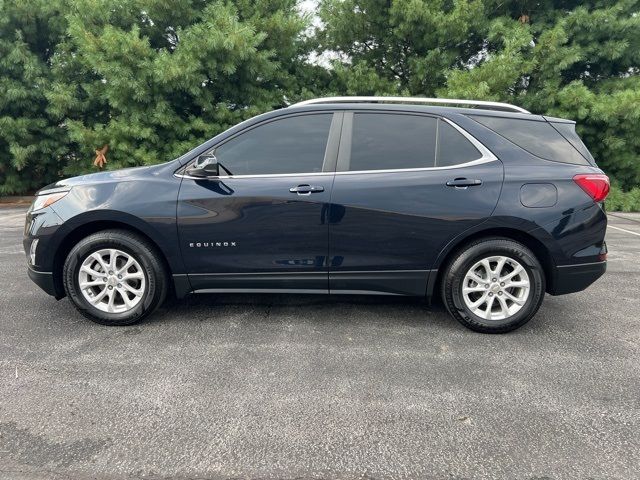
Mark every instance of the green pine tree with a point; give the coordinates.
(33, 143)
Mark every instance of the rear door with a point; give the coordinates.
(406, 184)
(262, 224)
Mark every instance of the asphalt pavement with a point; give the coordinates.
(309, 387)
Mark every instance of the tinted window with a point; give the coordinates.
(539, 138)
(568, 131)
(290, 145)
(453, 147)
(386, 141)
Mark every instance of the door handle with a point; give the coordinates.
(306, 189)
(464, 182)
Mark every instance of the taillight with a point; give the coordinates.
(596, 185)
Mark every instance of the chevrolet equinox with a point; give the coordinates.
(482, 203)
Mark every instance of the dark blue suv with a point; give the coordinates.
(488, 206)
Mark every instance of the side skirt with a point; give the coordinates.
(260, 282)
(381, 282)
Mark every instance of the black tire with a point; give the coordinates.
(137, 247)
(465, 259)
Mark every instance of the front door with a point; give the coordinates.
(406, 185)
(262, 223)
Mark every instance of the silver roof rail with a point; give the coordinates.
(441, 101)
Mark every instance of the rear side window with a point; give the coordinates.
(289, 145)
(538, 138)
(385, 141)
(568, 131)
(382, 141)
(453, 147)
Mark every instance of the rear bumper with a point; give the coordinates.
(575, 278)
(44, 280)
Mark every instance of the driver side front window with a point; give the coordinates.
(290, 145)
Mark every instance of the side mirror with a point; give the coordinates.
(205, 166)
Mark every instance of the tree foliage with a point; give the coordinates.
(153, 78)
(33, 147)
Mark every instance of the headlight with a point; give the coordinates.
(48, 198)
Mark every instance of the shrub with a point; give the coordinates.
(621, 201)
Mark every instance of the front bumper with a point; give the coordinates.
(44, 280)
(43, 226)
(575, 278)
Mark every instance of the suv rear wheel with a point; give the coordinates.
(493, 285)
(114, 277)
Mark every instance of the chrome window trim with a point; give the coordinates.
(264, 175)
(486, 157)
(484, 151)
(422, 169)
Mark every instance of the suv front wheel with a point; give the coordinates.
(493, 285)
(114, 277)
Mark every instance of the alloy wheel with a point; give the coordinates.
(112, 280)
(496, 288)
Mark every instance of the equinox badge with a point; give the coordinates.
(211, 244)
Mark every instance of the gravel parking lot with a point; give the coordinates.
(280, 386)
